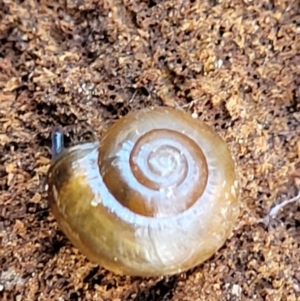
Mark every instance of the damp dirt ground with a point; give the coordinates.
(80, 65)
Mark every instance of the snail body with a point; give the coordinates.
(156, 196)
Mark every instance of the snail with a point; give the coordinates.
(158, 195)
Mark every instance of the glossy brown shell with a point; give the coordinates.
(157, 196)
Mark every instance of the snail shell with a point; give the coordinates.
(157, 196)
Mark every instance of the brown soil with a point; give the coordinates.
(81, 65)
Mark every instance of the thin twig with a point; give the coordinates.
(274, 211)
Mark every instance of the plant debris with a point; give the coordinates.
(80, 65)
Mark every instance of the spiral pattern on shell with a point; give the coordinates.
(158, 195)
(157, 168)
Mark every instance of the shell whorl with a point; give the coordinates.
(159, 167)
